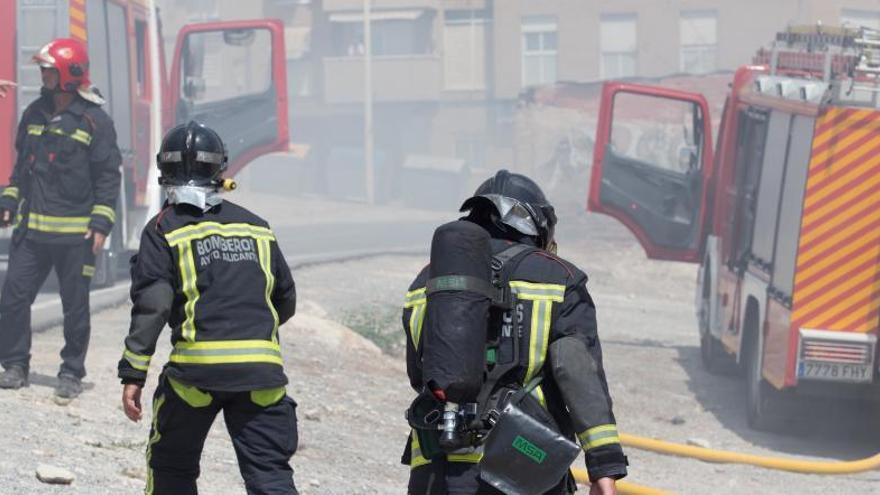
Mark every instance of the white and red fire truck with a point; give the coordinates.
(228, 75)
(783, 216)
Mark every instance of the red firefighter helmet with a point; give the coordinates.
(71, 60)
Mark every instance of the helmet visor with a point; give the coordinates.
(511, 212)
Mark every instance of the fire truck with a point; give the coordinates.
(783, 216)
(230, 76)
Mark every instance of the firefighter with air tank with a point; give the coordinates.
(502, 346)
(61, 200)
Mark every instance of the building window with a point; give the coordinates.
(471, 149)
(699, 41)
(860, 18)
(539, 40)
(464, 49)
(300, 68)
(395, 32)
(618, 43)
(140, 30)
(203, 10)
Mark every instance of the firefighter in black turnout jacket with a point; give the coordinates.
(213, 272)
(552, 323)
(61, 198)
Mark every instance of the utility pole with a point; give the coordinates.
(369, 169)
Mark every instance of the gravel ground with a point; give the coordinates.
(352, 395)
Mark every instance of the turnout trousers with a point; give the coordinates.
(262, 425)
(29, 264)
(442, 477)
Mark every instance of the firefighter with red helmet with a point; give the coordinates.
(61, 200)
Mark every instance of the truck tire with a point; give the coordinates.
(712, 355)
(710, 352)
(759, 395)
(105, 269)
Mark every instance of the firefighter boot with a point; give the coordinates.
(14, 378)
(69, 387)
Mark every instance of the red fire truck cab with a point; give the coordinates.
(783, 216)
(228, 75)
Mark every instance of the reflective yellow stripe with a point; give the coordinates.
(205, 229)
(10, 191)
(227, 352)
(137, 361)
(88, 271)
(539, 394)
(414, 297)
(104, 211)
(416, 320)
(266, 357)
(58, 225)
(598, 436)
(157, 405)
(191, 395)
(540, 337)
(190, 290)
(417, 301)
(82, 136)
(536, 292)
(267, 397)
(78, 135)
(264, 252)
(473, 457)
(416, 457)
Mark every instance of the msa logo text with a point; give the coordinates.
(529, 449)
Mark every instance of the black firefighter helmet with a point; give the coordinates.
(516, 202)
(192, 155)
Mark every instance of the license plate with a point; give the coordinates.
(818, 370)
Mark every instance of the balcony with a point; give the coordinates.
(397, 78)
(358, 5)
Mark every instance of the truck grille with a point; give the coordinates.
(833, 352)
(837, 347)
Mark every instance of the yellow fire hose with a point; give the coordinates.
(725, 457)
(623, 487)
(777, 463)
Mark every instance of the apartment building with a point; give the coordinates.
(448, 74)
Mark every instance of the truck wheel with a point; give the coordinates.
(712, 355)
(709, 345)
(105, 269)
(758, 400)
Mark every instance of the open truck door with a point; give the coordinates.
(232, 77)
(651, 166)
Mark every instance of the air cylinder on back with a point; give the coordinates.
(459, 297)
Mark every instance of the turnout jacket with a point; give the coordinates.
(66, 177)
(220, 281)
(554, 319)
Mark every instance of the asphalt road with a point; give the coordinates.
(326, 239)
(308, 244)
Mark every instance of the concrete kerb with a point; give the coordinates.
(49, 314)
(299, 262)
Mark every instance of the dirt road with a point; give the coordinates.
(352, 395)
